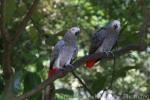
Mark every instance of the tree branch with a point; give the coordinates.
(146, 19)
(34, 22)
(2, 17)
(6, 62)
(3, 31)
(77, 64)
(22, 24)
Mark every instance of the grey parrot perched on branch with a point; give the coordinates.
(104, 40)
(64, 51)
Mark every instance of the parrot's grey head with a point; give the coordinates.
(74, 31)
(72, 34)
(116, 26)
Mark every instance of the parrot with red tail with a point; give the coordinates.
(63, 53)
(104, 40)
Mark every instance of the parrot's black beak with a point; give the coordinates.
(77, 33)
(115, 26)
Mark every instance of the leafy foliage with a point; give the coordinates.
(31, 55)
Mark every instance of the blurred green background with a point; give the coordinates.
(51, 19)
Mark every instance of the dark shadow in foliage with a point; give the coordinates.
(65, 91)
(1, 84)
(31, 80)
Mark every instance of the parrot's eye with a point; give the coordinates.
(72, 30)
(115, 26)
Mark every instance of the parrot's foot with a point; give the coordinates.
(109, 52)
(70, 66)
(62, 70)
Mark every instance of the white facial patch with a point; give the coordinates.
(75, 29)
(117, 22)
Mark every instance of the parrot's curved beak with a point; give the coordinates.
(115, 26)
(77, 33)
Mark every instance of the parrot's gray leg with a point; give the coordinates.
(109, 52)
(62, 69)
(106, 52)
(70, 66)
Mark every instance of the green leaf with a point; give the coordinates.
(64, 91)
(38, 16)
(10, 7)
(1, 84)
(31, 81)
(33, 34)
(2, 96)
(98, 83)
(39, 65)
(122, 72)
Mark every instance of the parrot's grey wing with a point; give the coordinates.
(97, 40)
(109, 42)
(115, 39)
(60, 44)
(75, 52)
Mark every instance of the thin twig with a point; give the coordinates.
(113, 72)
(112, 78)
(24, 22)
(34, 22)
(146, 19)
(82, 83)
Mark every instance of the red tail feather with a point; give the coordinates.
(53, 72)
(90, 63)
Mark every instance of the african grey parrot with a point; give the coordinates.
(64, 51)
(104, 40)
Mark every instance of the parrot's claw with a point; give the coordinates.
(111, 53)
(70, 66)
(62, 69)
(107, 53)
